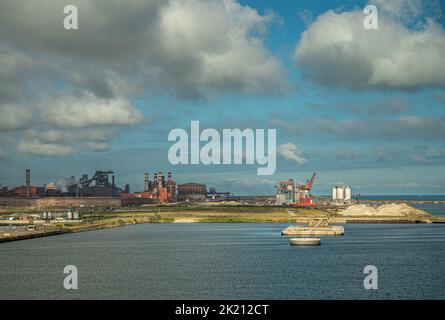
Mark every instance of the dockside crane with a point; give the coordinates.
(302, 196)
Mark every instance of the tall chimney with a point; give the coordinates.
(113, 181)
(160, 178)
(146, 182)
(155, 182)
(169, 177)
(28, 182)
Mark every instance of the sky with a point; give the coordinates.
(359, 107)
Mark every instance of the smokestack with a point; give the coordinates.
(113, 180)
(169, 179)
(28, 182)
(146, 183)
(159, 181)
(155, 182)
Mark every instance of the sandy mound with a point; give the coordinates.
(386, 210)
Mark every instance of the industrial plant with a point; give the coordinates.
(97, 186)
(160, 190)
(291, 193)
(101, 190)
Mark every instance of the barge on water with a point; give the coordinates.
(317, 227)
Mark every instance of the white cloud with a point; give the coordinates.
(89, 110)
(97, 146)
(36, 147)
(72, 135)
(216, 45)
(186, 46)
(123, 52)
(337, 51)
(290, 151)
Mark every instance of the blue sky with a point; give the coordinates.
(362, 107)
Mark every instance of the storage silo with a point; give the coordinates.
(348, 196)
(340, 193)
(334, 194)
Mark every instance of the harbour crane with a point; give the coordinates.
(302, 195)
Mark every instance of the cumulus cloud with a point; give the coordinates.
(216, 45)
(13, 117)
(89, 110)
(97, 146)
(123, 52)
(36, 147)
(72, 135)
(189, 45)
(337, 51)
(290, 151)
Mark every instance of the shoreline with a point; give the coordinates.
(103, 218)
(95, 227)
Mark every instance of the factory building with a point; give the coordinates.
(286, 192)
(26, 191)
(97, 186)
(160, 190)
(291, 193)
(341, 195)
(102, 186)
(192, 192)
(217, 195)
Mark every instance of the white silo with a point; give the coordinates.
(348, 196)
(334, 194)
(340, 194)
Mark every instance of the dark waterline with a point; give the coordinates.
(227, 261)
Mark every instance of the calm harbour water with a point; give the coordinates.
(434, 209)
(227, 261)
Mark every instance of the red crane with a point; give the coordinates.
(308, 185)
(302, 195)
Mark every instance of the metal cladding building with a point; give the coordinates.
(192, 191)
(286, 192)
